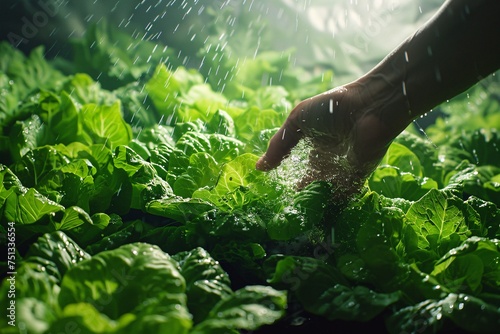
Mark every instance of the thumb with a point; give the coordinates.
(280, 146)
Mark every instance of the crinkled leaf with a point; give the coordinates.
(237, 224)
(322, 290)
(248, 308)
(254, 120)
(165, 87)
(83, 89)
(469, 312)
(38, 163)
(25, 136)
(177, 208)
(114, 58)
(271, 97)
(440, 220)
(391, 182)
(105, 125)
(471, 267)
(27, 206)
(57, 253)
(206, 282)
(224, 148)
(122, 280)
(193, 142)
(239, 183)
(383, 244)
(308, 278)
(221, 123)
(490, 218)
(354, 304)
(203, 171)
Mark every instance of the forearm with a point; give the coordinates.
(458, 47)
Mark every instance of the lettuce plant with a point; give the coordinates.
(137, 208)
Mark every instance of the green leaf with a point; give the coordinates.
(206, 282)
(105, 125)
(37, 164)
(109, 182)
(113, 57)
(117, 234)
(477, 180)
(312, 202)
(224, 148)
(83, 89)
(34, 315)
(200, 93)
(239, 183)
(70, 185)
(193, 142)
(28, 73)
(25, 136)
(254, 120)
(245, 257)
(119, 281)
(221, 123)
(469, 312)
(271, 97)
(322, 289)
(391, 182)
(145, 184)
(248, 309)
(426, 152)
(353, 304)
(78, 315)
(9, 184)
(27, 206)
(63, 118)
(287, 224)
(302, 212)
(238, 224)
(138, 109)
(73, 217)
(400, 156)
(490, 218)
(383, 245)
(177, 208)
(470, 267)
(86, 234)
(202, 172)
(308, 278)
(479, 147)
(170, 238)
(36, 300)
(165, 87)
(440, 220)
(37, 280)
(157, 136)
(56, 253)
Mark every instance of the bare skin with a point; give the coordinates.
(357, 122)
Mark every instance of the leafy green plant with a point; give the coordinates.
(137, 206)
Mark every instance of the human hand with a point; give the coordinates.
(347, 135)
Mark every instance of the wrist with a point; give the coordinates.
(385, 95)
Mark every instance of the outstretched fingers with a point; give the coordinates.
(280, 146)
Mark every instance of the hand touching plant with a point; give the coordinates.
(347, 137)
(351, 127)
